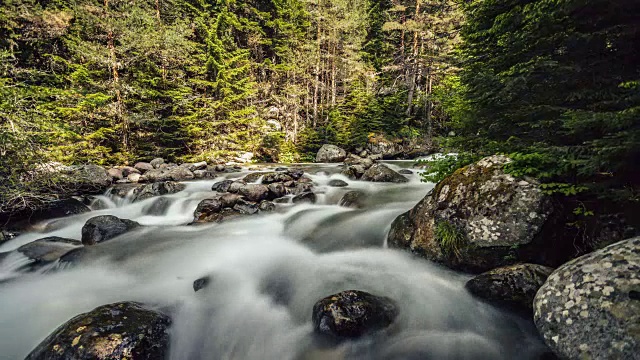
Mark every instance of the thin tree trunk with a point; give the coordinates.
(413, 68)
(333, 73)
(317, 70)
(116, 86)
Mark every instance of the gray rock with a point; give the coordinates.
(306, 197)
(330, 154)
(85, 179)
(266, 206)
(353, 199)
(276, 190)
(201, 283)
(254, 192)
(156, 189)
(158, 207)
(338, 183)
(123, 330)
(514, 286)
(48, 249)
(381, 173)
(229, 200)
(199, 174)
(405, 172)
(127, 170)
(143, 167)
(105, 227)
(589, 308)
(245, 208)
(134, 177)
(157, 162)
(222, 186)
(475, 220)
(220, 168)
(352, 160)
(115, 173)
(207, 211)
(236, 186)
(198, 166)
(352, 314)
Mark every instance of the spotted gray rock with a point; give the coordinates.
(475, 219)
(589, 308)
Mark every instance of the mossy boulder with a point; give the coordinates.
(124, 330)
(514, 286)
(352, 313)
(589, 308)
(477, 219)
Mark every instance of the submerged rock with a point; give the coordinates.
(405, 172)
(382, 173)
(475, 220)
(124, 330)
(514, 286)
(330, 154)
(105, 227)
(201, 283)
(352, 313)
(158, 207)
(48, 249)
(589, 308)
(353, 199)
(306, 197)
(338, 183)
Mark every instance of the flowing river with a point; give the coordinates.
(266, 272)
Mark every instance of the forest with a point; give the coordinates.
(552, 83)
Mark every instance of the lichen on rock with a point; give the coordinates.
(589, 308)
(495, 213)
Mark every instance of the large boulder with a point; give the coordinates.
(330, 154)
(477, 219)
(353, 199)
(123, 330)
(105, 227)
(382, 173)
(222, 186)
(156, 189)
(83, 179)
(352, 313)
(589, 308)
(514, 286)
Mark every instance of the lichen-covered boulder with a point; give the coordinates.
(514, 286)
(477, 219)
(156, 162)
(382, 173)
(123, 330)
(352, 313)
(330, 154)
(105, 227)
(589, 308)
(156, 189)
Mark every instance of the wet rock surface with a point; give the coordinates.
(477, 219)
(382, 173)
(589, 308)
(337, 183)
(105, 227)
(124, 330)
(353, 199)
(352, 314)
(48, 249)
(156, 189)
(514, 286)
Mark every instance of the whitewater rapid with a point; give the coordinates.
(266, 272)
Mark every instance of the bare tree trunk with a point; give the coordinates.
(317, 70)
(333, 72)
(413, 68)
(116, 86)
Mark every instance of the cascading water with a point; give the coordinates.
(266, 272)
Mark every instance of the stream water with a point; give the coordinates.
(266, 273)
